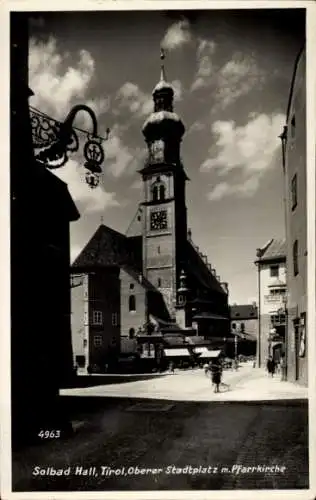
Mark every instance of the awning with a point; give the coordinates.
(210, 354)
(170, 353)
(200, 350)
(207, 315)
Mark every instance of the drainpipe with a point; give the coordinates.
(259, 318)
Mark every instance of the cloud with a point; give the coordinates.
(56, 84)
(205, 51)
(137, 184)
(196, 127)
(177, 35)
(178, 90)
(236, 78)
(131, 97)
(248, 150)
(91, 200)
(118, 156)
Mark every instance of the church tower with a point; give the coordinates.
(164, 208)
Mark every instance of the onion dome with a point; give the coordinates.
(163, 123)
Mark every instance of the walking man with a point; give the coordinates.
(216, 374)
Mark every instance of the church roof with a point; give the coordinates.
(161, 85)
(198, 268)
(107, 247)
(160, 116)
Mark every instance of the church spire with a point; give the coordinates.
(163, 91)
(162, 66)
(163, 129)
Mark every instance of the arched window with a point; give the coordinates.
(162, 192)
(242, 327)
(158, 191)
(132, 303)
(131, 333)
(233, 326)
(155, 193)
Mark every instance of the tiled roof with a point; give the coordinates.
(246, 311)
(275, 249)
(196, 266)
(107, 247)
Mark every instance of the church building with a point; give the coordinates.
(152, 281)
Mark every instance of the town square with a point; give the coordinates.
(159, 250)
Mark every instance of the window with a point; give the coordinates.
(158, 249)
(97, 317)
(97, 340)
(294, 191)
(158, 191)
(159, 282)
(131, 333)
(181, 299)
(233, 326)
(274, 271)
(155, 193)
(295, 258)
(132, 303)
(274, 318)
(131, 286)
(114, 319)
(242, 327)
(85, 342)
(162, 192)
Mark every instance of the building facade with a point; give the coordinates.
(153, 279)
(243, 330)
(272, 286)
(294, 163)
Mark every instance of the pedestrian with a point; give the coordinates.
(171, 367)
(216, 374)
(271, 366)
(282, 367)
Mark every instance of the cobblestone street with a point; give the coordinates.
(150, 426)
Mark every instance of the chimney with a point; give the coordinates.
(209, 266)
(218, 277)
(140, 278)
(204, 257)
(225, 287)
(213, 271)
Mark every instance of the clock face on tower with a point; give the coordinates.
(157, 151)
(158, 220)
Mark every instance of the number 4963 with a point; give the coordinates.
(49, 434)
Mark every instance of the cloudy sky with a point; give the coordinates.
(231, 71)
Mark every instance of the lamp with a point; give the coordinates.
(53, 141)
